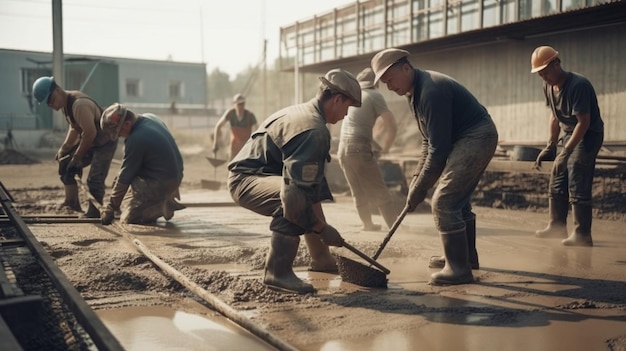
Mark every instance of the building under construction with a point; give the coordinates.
(484, 44)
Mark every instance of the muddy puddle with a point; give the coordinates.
(161, 328)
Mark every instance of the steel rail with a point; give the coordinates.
(93, 325)
(214, 301)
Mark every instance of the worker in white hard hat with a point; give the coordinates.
(280, 173)
(574, 111)
(147, 184)
(459, 139)
(242, 123)
(85, 144)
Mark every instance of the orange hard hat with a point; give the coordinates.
(541, 58)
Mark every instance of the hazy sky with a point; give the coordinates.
(227, 34)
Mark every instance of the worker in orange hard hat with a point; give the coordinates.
(574, 111)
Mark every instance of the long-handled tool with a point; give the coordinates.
(357, 273)
(392, 230)
(215, 162)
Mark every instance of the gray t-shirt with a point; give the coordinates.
(577, 96)
(358, 124)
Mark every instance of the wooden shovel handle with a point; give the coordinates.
(365, 257)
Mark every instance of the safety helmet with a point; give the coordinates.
(239, 99)
(42, 88)
(541, 58)
(112, 119)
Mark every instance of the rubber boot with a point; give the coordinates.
(581, 236)
(557, 227)
(92, 212)
(457, 269)
(321, 258)
(71, 198)
(470, 229)
(279, 273)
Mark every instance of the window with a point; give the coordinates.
(176, 89)
(133, 88)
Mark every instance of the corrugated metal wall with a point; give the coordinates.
(499, 75)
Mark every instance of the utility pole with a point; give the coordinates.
(58, 69)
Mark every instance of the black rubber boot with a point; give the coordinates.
(321, 258)
(470, 229)
(92, 212)
(457, 269)
(71, 198)
(581, 236)
(557, 227)
(279, 273)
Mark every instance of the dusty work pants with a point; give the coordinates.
(577, 181)
(145, 199)
(99, 157)
(261, 194)
(360, 166)
(467, 161)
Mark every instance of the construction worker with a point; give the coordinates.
(85, 144)
(358, 153)
(280, 173)
(574, 110)
(242, 123)
(459, 139)
(152, 168)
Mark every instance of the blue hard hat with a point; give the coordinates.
(42, 88)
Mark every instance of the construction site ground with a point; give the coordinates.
(529, 294)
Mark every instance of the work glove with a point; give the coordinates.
(548, 152)
(107, 215)
(330, 236)
(415, 197)
(560, 162)
(75, 166)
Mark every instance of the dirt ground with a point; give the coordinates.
(530, 294)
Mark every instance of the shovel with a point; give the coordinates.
(215, 162)
(356, 273)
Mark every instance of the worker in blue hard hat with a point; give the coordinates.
(85, 143)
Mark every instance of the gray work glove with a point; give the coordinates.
(330, 236)
(107, 215)
(548, 152)
(560, 162)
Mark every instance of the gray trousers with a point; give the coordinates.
(261, 194)
(577, 182)
(145, 199)
(467, 161)
(99, 157)
(360, 166)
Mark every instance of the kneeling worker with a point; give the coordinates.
(152, 168)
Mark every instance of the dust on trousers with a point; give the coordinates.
(146, 200)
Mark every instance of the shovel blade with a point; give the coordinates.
(216, 162)
(359, 274)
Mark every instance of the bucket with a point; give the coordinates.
(526, 153)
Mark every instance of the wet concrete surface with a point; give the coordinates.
(530, 293)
